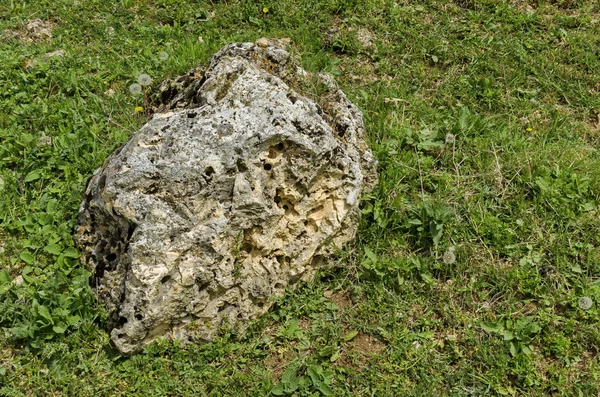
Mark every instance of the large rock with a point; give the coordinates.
(210, 211)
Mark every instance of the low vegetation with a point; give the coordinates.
(477, 266)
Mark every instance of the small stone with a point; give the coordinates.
(55, 54)
(394, 100)
(365, 37)
(31, 63)
(331, 36)
(263, 42)
(44, 140)
(38, 30)
(328, 294)
(547, 270)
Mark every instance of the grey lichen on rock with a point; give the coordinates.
(213, 208)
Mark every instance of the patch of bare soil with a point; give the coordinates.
(368, 344)
(305, 324)
(276, 364)
(340, 298)
(360, 351)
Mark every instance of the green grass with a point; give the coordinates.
(485, 118)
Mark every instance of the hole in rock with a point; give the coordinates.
(111, 257)
(241, 166)
(311, 227)
(280, 146)
(120, 336)
(315, 210)
(268, 167)
(341, 130)
(130, 231)
(139, 317)
(151, 189)
(260, 304)
(279, 286)
(247, 247)
(285, 207)
(122, 321)
(165, 279)
(102, 182)
(292, 97)
(297, 125)
(277, 199)
(191, 115)
(209, 171)
(201, 283)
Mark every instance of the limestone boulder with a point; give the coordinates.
(246, 184)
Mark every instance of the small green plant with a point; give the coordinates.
(427, 222)
(518, 333)
(317, 383)
(564, 192)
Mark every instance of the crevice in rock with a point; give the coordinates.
(165, 279)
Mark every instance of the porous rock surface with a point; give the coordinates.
(211, 210)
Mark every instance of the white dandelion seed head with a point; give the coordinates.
(110, 31)
(450, 138)
(135, 89)
(144, 79)
(163, 55)
(585, 302)
(449, 256)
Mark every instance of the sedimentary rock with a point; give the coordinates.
(36, 30)
(212, 209)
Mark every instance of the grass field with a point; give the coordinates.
(476, 270)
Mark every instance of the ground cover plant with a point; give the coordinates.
(477, 266)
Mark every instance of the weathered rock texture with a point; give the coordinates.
(210, 211)
(35, 31)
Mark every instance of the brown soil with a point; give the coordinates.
(276, 364)
(341, 300)
(367, 344)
